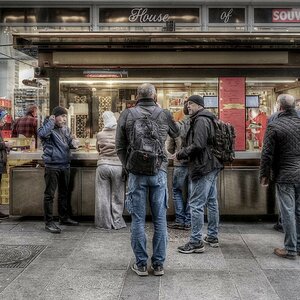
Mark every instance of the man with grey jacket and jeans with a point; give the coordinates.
(141, 186)
(57, 142)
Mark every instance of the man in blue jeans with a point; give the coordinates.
(280, 163)
(203, 170)
(142, 186)
(180, 186)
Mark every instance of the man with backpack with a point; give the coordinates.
(203, 171)
(140, 138)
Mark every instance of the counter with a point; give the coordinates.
(239, 191)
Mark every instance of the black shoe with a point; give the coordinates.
(191, 248)
(158, 270)
(68, 222)
(52, 227)
(213, 242)
(141, 271)
(3, 216)
(187, 226)
(278, 227)
(175, 225)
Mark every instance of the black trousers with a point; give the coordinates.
(57, 178)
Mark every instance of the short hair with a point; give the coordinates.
(286, 101)
(146, 90)
(31, 108)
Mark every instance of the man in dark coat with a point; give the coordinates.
(204, 168)
(280, 162)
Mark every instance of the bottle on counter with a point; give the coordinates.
(32, 144)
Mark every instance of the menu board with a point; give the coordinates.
(232, 107)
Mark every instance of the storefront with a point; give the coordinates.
(238, 57)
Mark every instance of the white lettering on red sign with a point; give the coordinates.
(283, 15)
(140, 15)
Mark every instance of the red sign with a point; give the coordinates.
(232, 107)
(286, 15)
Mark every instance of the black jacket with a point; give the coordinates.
(3, 155)
(199, 144)
(280, 158)
(125, 126)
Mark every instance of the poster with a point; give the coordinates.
(232, 107)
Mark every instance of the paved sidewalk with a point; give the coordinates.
(85, 263)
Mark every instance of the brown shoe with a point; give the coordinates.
(284, 253)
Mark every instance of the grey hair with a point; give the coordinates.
(286, 101)
(146, 90)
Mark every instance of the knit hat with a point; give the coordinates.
(59, 110)
(109, 119)
(197, 99)
(3, 113)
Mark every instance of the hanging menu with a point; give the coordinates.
(232, 107)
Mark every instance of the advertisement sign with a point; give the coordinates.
(148, 15)
(226, 15)
(232, 107)
(276, 15)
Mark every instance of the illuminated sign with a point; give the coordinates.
(105, 74)
(285, 15)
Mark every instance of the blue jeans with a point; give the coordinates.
(181, 185)
(288, 196)
(139, 188)
(204, 192)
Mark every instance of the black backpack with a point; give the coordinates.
(146, 148)
(223, 141)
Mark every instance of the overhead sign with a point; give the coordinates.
(286, 15)
(146, 15)
(105, 74)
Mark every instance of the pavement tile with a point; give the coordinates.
(68, 283)
(7, 276)
(250, 280)
(198, 284)
(285, 282)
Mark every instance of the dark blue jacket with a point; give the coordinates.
(57, 142)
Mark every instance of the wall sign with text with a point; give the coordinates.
(226, 15)
(148, 15)
(276, 15)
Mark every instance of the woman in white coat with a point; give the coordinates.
(110, 187)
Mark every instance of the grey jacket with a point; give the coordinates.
(125, 127)
(57, 142)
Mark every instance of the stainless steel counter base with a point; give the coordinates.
(239, 191)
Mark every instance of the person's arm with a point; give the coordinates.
(267, 156)
(45, 131)
(200, 132)
(173, 128)
(122, 142)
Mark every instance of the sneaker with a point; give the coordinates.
(213, 242)
(141, 271)
(284, 253)
(278, 227)
(68, 222)
(176, 226)
(51, 227)
(3, 216)
(191, 248)
(158, 270)
(187, 226)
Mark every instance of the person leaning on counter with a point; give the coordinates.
(57, 142)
